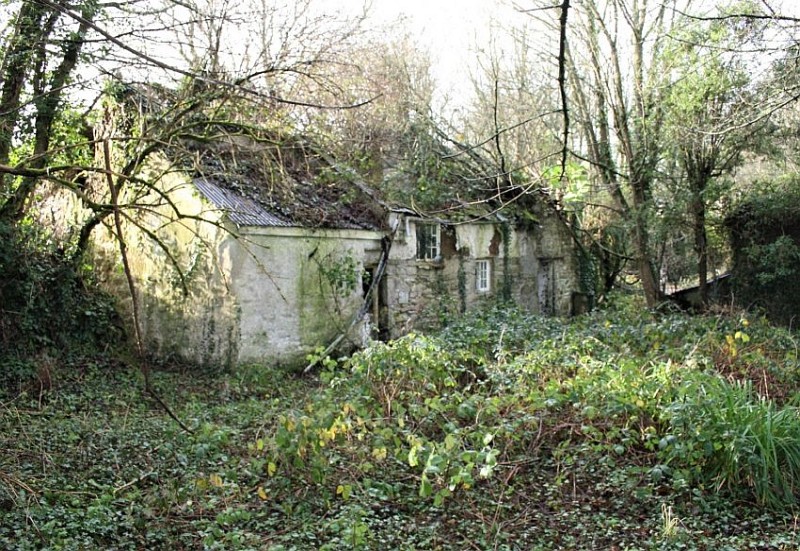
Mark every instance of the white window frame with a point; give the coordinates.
(431, 249)
(483, 276)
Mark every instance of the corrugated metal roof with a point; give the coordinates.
(241, 210)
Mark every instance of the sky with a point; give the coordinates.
(451, 29)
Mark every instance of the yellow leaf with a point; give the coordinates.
(412, 456)
(327, 435)
(344, 491)
(379, 453)
(262, 494)
(271, 468)
(215, 480)
(260, 444)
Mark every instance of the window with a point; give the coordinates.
(482, 276)
(428, 239)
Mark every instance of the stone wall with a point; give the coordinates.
(536, 268)
(548, 266)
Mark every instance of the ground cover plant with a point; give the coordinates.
(618, 430)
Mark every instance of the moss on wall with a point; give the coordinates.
(328, 291)
(187, 313)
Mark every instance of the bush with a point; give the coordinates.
(47, 308)
(765, 235)
(729, 437)
(642, 398)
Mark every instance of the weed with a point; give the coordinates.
(505, 431)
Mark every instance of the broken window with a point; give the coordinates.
(482, 276)
(428, 241)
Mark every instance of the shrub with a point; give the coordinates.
(642, 396)
(765, 235)
(727, 436)
(47, 308)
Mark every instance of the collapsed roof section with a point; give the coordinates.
(280, 182)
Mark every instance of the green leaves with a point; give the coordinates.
(614, 427)
(729, 437)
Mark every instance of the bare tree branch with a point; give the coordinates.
(191, 74)
(562, 82)
(729, 16)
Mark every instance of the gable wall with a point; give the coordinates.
(298, 289)
(549, 267)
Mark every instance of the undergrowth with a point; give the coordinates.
(617, 430)
(49, 309)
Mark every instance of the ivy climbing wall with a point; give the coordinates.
(534, 267)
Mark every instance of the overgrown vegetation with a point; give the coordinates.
(506, 431)
(48, 311)
(765, 231)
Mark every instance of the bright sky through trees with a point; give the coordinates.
(456, 31)
(453, 30)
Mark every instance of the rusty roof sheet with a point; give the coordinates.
(288, 183)
(241, 210)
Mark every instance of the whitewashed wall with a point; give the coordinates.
(253, 295)
(193, 318)
(287, 307)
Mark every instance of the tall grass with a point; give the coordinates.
(738, 439)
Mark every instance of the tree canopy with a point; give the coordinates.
(640, 119)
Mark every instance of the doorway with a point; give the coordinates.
(378, 307)
(546, 287)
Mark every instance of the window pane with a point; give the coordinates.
(482, 275)
(427, 241)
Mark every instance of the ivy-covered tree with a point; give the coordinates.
(619, 78)
(712, 117)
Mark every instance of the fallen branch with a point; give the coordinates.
(386, 246)
(133, 482)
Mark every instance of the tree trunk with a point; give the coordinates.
(46, 103)
(15, 68)
(650, 286)
(701, 247)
